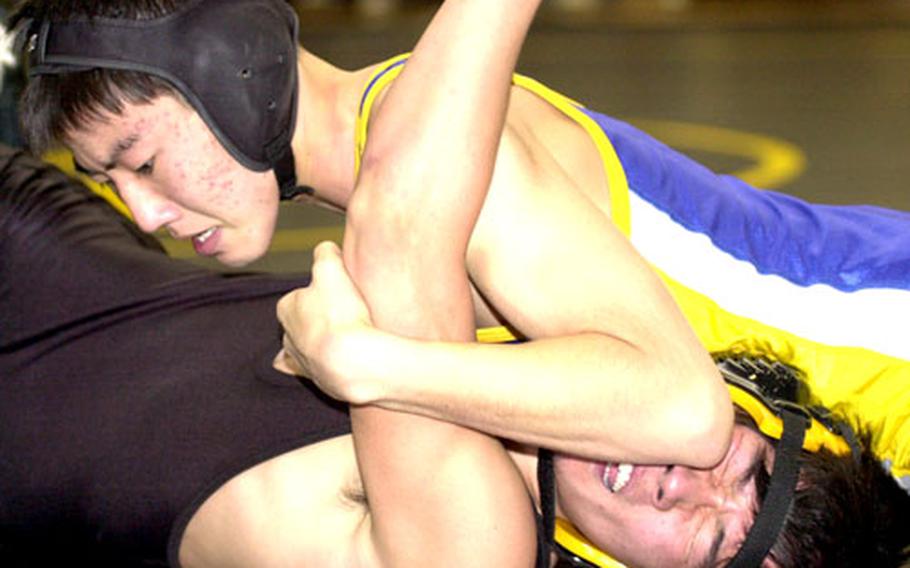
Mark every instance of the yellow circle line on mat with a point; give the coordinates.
(775, 162)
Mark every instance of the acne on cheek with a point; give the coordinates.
(209, 170)
(218, 191)
(198, 171)
(218, 174)
(229, 195)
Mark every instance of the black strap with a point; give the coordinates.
(770, 519)
(282, 159)
(547, 522)
(847, 433)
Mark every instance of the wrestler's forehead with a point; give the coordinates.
(98, 142)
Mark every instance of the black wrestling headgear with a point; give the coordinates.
(235, 61)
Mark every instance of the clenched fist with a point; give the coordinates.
(328, 330)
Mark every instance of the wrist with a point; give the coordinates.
(360, 364)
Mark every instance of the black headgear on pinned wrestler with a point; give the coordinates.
(773, 396)
(235, 61)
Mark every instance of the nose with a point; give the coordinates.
(150, 208)
(686, 487)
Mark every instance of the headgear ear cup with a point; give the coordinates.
(749, 394)
(206, 48)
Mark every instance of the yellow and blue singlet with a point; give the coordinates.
(825, 289)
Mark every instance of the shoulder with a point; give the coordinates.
(307, 503)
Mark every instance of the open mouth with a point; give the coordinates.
(206, 242)
(203, 236)
(617, 476)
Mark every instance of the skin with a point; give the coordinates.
(411, 503)
(585, 329)
(323, 482)
(667, 515)
(173, 174)
(407, 465)
(588, 328)
(157, 200)
(166, 188)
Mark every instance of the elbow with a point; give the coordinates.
(711, 437)
(375, 222)
(704, 424)
(384, 207)
(391, 180)
(373, 204)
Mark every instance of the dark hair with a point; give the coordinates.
(53, 105)
(847, 511)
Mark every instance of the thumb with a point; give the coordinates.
(328, 267)
(284, 363)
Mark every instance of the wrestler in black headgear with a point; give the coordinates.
(235, 61)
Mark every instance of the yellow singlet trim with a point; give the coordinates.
(616, 177)
(379, 80)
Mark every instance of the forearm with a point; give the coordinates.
(415, 285)
(585, 394)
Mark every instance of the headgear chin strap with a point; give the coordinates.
(235, 61)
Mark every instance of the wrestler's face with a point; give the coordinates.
(173, 174)
(666, 516)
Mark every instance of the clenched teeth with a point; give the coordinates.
(204, 235)
(623, 475)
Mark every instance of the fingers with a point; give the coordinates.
(328, 265)
(329, 276)
(289, 360)
(286, 364)
(326, 249)
(315, 315)
(297, 310)
(285, 307)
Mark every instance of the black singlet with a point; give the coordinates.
(132, 385)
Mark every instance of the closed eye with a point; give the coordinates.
(94, 176)
(756, 463)
(147, 168)
(713, 557)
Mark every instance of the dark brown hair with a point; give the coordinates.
(54, 105)
(847, 511)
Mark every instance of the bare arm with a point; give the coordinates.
(613, 372)
(439, 494)
(433, 118)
